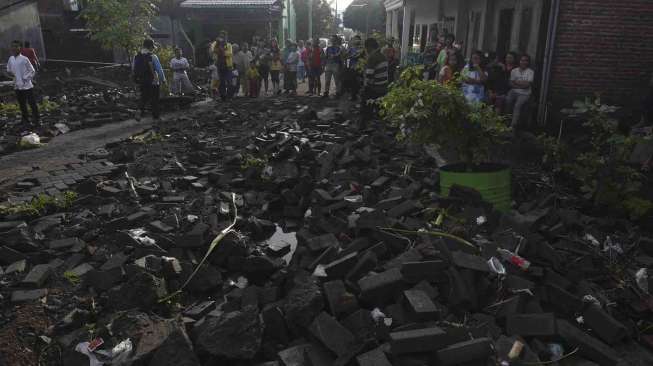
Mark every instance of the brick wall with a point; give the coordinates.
(602, 46)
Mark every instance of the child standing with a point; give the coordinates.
(253, 79)
(275, 69)
(215, 81)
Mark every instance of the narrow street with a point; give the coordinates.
(326, 183)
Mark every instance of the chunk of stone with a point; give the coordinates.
(332, 334)
(234, 335)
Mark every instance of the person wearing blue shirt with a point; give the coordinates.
(148, 74)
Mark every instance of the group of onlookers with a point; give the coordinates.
(505, 83)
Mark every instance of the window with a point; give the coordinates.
(525, 29)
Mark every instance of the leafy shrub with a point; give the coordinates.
(431, 112)
(600, 168)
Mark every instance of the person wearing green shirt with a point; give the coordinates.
(448, 46)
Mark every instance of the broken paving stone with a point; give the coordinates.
(339, 267)
(322, 242)
(339, 299)
(116, 261)
(460, 353)
(196, 237)
(37, 275)
(531, 325)
(418, 340)
(161, 227)
(469, 261)
(381, 287)
(404, 208)
(103, 280)
(66, 243)
(306, 354)
(332, 334)
(176, 350)
(234, 335)
(9, 255)
(80, 270)
(420, 306)
(18, 266)
(304, 301)
(604, 325)
(199, 310)
(375, 357)
(588, 346)
(142, 291)
(28, 295)
(425, 270)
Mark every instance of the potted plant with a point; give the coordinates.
(435, 113)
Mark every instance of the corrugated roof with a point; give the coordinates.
(215, 4)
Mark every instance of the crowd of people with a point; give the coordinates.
(503, 82)
(265, 68)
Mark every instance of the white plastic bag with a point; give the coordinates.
(31, 139)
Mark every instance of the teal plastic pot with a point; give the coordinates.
(492, 181)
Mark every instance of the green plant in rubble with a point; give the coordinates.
(250, 161)
(430, 112)
(40, 204)
(73, 278)
(602, 169)
(12, 109)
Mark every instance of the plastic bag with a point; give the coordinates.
(30, 140)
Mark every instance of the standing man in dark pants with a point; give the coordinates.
(375, 80)
(149, 76)
(23, 72)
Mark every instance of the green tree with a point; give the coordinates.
(323, 18)
(362, 15)
(120, 24)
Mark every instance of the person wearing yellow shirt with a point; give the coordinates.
(223, 58)
(275, 70)
(252, 78)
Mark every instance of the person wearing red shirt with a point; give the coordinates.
(315, 63)
(30, 53)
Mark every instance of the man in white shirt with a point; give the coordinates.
(23, 72)
(180, 81)
(521, 79)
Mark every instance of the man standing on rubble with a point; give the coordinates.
(149, 76)
(375, 80)
(23, 72)
(180, 66)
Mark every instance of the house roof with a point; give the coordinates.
(218, 4)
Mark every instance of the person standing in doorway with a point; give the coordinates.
(23, 72)
(223, 56)
(521, 79)
(149, 76)
(30, 53)
(333, 66)
(180, 81)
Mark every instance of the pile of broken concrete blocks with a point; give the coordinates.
(361, 280)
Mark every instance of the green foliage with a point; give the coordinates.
(250, 161)
(323, 19)
(72, 278)
(40, 205)
(121, 24)
(12, 109)
(600, 167)
(430, 112)
(370, 17)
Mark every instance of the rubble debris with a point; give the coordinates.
(258, 235)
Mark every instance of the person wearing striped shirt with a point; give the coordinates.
(375, 80)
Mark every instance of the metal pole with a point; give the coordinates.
(310, 19)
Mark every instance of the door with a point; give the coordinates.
(506, 17)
